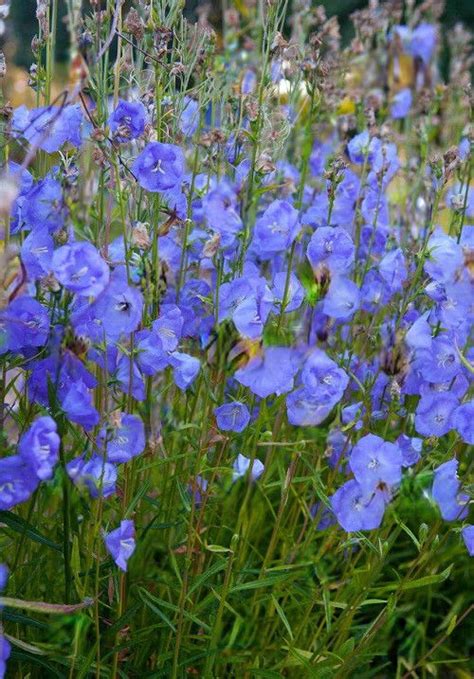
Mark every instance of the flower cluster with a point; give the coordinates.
(198, 281)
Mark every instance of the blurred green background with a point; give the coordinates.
(21, 25)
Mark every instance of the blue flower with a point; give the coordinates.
(39, 447)
(36, 253)
(411, 449)
(120, 543)
(355, 509)
(189, 118)
(272, 373)
(276, 229)
(128, 376)
(295, 292)
(333, 247)
(463, 422)
(127, 121)
(159, 167)
(445, 492)
(119, 306)
(97, 475)
(61, 370)
(5, 650)
(233, 416)
(375, 462)
(423, 41)
(150, 354)
(419, 42)
(49, 127)
(468, 537)
(434, 414)
(248, 301)
(17, 481)
(222, 214)
(342, 299)
(401, 104)
(243, 464)
(393, 270)
(124, 439)
(3, 576)
(305, 408)
(77, 404)
(24, 324)
(439, 363)
(319, 156)
(169, 326)
(80, 269)
(324, 378)
(445, 257)
(43, 206)
(363, 146)
(185, 369)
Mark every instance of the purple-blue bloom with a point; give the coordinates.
(332, 247)
(77, 404)
(242, 465)
(80, 269)
(123, 439)
(17, 481)
(24, 324)
(39, 447)
(411, 449)
(120, 543)
(401, 104)
(468, 537)
(445, 492)
(355, 509)
(185, 369)
(3, 576)
(463, 422)
(362, 147)
(271, 373)
(233, 416)
(119, 306)
(434, 414)
(159, 167)
(276, 229)
(36, 253)
(375, 462)
(189, 119)
(49, 127)
(342, 299)
(5, 650)
(127, 120)
(97, 475)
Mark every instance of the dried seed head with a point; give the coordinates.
(134, 25)
(264, 163)
(8, 193)
(49, 283)
(211, 247)
(232, 18)
(140, 236)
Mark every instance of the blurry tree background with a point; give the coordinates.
(21, 25)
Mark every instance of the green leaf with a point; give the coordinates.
(421, 582)
(258, 584)
(218, 549)
(19, 525)
(43, 607)
(282, 616)
(24, 646)
(156, 610)
(148, 599)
